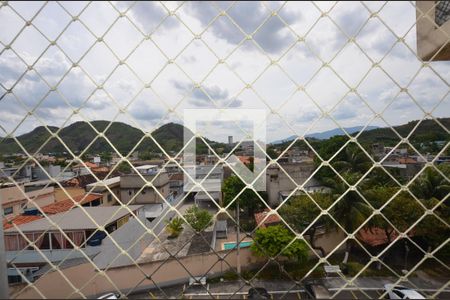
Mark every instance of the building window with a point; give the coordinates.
(14, 279)
(109, 198)
(8, 211)
(129, 192)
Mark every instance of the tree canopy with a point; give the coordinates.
(274, 240)
(198, 218)
(248, 199)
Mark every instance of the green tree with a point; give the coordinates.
(123, 167)
(350, 211)
(146, 155)
(402, 212)
(378, 195)
(431, 184)
(271, 152)
(377, 178)
(174, 227)
(431, 229)
(199, 219)
(326, 149)
(274, 240)
(329, 147)
(105, 157)
(300, 211)
(248, 200)
(352, 159)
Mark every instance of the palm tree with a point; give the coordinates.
(174, 227)
(431, 184)
(352, 159)
(350, 212)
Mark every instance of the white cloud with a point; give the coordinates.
(170, 85)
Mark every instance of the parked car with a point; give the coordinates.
(315, 290)
(110, 296)
(258, 293)
(401, 292)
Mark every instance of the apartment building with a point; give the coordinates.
(282, 180)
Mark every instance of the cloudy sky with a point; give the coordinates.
(309, 65)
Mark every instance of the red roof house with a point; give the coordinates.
(68, 204)
(263, 221)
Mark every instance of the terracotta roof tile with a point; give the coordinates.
(100, 169)
(177, 176)
(87, 163)
(19, 220)
(407, 160)
(272, 219)
(376, 236)
(67, 204)
(246, 160)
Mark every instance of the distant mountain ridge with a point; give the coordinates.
(428, 130)
(170, 137)
(327, 134)
(79, 135)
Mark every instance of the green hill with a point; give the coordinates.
(80, 135)
(427, 131)
(124, 137)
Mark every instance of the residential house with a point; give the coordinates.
(85, 200)
(109, 188)
(53, 171)
(172, 168)
(131, 185)
(83, 169)
(284, 178)
(30, 214)
(265, 218)
(209, 178)
(295, 155)
(18, 173)
(176, 183)
(63, 193)
(80, 228)
(14, 200)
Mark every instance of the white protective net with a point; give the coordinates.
(310, 66)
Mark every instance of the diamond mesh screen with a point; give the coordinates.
(353, 212)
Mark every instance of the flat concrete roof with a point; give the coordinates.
(105, 182)
(77, 219)
(211, 185)
(144, 167)
(203, 196)
(153, 210)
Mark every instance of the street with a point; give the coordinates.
(367, 288)
(294, 294)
